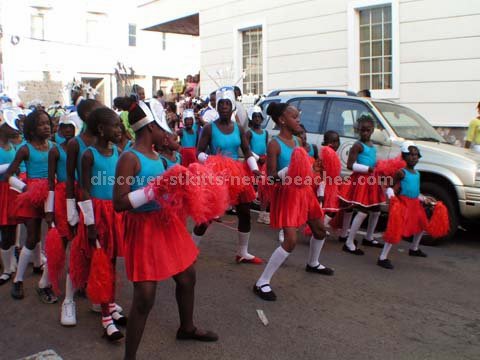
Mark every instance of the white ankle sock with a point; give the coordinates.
(276, 260)
(372, 224)
(106, 321)
(37, 255)
(23, 261)
(356, 223)
(197, 238)
(69, 290)
(386, 249)
(416, 241)
(242, 248)
(316, 246)
(347, 218)
(44, 281)
(7, 259)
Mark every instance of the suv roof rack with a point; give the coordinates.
(318, 91)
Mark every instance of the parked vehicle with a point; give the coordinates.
(448, 173)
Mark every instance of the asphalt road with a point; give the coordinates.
(423, 309)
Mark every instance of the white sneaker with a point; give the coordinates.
(266, 218)
(261, 217)
(281, 236)
(68, 316)
(96, 308)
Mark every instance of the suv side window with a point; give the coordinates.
(343, 115)
(311, 113)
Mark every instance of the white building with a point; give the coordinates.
(421, 53)
(47, 43)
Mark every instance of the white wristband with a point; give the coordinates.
(202, 157)
(16, 184)
(87, 211)
(252, 163)
(283, 173)
(4, 168)
(256, 157)
(72, 213)
(140, 197)
(421, 198)
(49, 203)
(360, 168)
(390, 193)
(321, 189)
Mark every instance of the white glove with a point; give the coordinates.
(282, 174)
(50, 202)
(72, 212)
(255, 156)
(360, 168)
(421, 198)
(4, 168)
(390, 193)
(252, 163)
(87, 211)
(141, 196)
(16, 184)
(202, 157)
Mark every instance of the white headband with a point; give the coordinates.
(141, 123)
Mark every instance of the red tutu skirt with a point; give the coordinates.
(157, 246)
(189, 155)
(61, 211)
(362, 190)
(31, 204)
(7, 201)
(293, 206)
(109, 225)
(415, 218)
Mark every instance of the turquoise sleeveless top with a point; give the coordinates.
(81, 149)
(410, 184)
(286, 151)
(37, 163)
(129, 145)
(61, 164)
(258, 142)
(23, 167)
(189, 140)
(170, 163)
(149, 170)
(368, 156)
(103, 174)
(225, 144)
(311, 152)
(6, 157)
(59, 138)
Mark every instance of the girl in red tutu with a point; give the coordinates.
(291, 205)
(55, 206)
(328, 189)
(188, 138)
(102, 223)
(363, 189)
(157, 244)
(8, 129)
(169, 154)
(225, 137)
(30, 206)
(258, 140)
(406, 186)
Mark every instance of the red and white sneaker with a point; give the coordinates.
(255, 260)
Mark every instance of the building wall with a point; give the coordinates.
(306, 44)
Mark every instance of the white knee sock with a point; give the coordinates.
(385, 251)
(197, 238)
(37, 255)
(372, 224)
(69, 290)
(356, 223)
(326, 220)
(13, 260)
(316, 246)
(44, 281)
(416, 241)
(276, 260)
(242, 248)
(23, 261)
(7, 259)
(347, 218)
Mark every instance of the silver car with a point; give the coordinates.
(448, 173)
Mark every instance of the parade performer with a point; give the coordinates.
(292, 205)
(225, 137)
(157, 243)
(363, 189)
(188, 138)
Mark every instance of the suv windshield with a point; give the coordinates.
(407, 123)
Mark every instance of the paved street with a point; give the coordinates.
(424, 309)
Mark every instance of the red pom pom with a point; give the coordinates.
(396, 219)
(233, 173)
(36, 194)
(300, 166)
(331, 162)
(390, 166)
(101, 280)
(79, 265)
(439, 224)
(56, 258)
